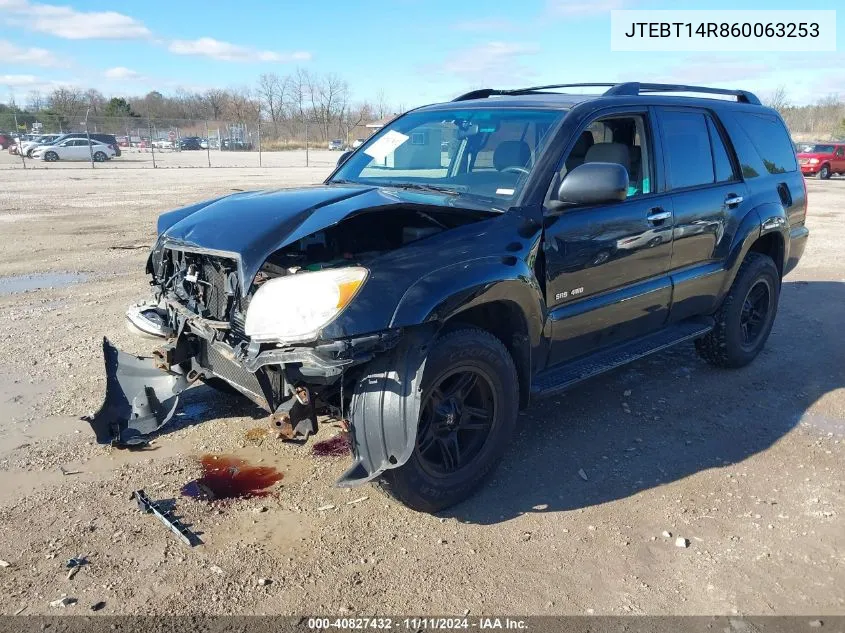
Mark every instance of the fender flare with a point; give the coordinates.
(453, 289)
(763, 220)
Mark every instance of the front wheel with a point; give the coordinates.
(746, 317)
(468, 414)
(824, 173)
(51, 157)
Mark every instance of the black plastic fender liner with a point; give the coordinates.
(140, 398)
(385, 408)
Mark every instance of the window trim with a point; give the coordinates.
(736, 172)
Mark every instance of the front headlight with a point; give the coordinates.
(814, 160)
(294, 308)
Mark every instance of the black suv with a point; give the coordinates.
(468, 257)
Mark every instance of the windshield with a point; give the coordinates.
(817, 149)
(478, 152)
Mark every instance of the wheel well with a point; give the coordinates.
(505, 321)
(771, 245)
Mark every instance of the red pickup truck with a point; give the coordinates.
(822, 159)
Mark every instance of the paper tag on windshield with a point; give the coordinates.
(504, 192)
(386, 144)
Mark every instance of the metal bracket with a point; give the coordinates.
(146, 505)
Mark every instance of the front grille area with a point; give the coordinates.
(217, 301)
(220, 365)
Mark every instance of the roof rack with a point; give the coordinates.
(631, 88)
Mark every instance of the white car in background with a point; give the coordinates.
(73, 149)
(27, 147)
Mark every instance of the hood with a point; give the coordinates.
(814, 154)
(253, 225)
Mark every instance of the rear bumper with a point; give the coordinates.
(798, 236)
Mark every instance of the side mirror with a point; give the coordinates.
(592, 183)
(343, 157)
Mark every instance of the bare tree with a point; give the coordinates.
(382, 109)
(779, 99)
(35, 101)
(241, 106)
(67, 102)
(215, 102)
(270, 93)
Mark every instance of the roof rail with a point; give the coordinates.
(636, 88)
(631, 88)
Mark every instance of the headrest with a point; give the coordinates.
(511, 154)
(584, 143)
(609, 153)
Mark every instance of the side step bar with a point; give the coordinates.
(562, 377)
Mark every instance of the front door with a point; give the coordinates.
(607, 265)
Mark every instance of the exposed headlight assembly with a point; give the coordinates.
(814, 160)
(294, 308)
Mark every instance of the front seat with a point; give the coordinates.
(511, 154)
(579, 150)
(610, 153)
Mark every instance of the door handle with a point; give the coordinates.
(658, 215)
(733, 200)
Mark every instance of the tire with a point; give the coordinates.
(100, 157)
(51, 157)
(420, 483)
(824, 172)
(728, 344)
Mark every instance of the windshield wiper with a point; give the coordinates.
(423, 187)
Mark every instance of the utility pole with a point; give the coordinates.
(207, 144)
(306, 142)
(259, 136)
(152, 148)
(20, 143)
(88, 136)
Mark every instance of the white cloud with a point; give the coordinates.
(579, 8)
(12, 54)
(68, 23)
(226, 51)
(490, 63)
(121, 73)
(29, 83)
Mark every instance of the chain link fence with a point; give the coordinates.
(159, 142)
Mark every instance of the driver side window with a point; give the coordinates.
(621, 139)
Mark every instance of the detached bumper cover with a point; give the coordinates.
(386, 408)
(140, 398)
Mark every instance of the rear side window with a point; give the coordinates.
(770, 139)
(686, 144)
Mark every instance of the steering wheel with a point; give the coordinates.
(514, 168)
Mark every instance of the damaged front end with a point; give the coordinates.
(283, 330)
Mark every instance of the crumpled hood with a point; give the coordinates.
(252, 225)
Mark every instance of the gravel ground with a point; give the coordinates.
(746, 465)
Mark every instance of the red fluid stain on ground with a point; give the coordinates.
(337, 446)
(227, 477)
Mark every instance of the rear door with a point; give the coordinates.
(839, 159)
(708, 197)
(607, 265)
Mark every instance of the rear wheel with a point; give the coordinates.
(745, 319)
(824, 172)
(467, 416)
(100, 157)
(51, 157)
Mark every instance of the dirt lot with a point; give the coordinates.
(747, 465)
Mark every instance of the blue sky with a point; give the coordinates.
(416, 51)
